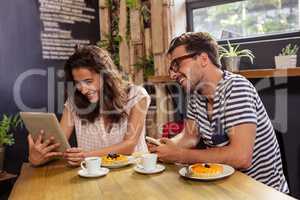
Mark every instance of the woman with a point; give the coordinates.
(108, 113)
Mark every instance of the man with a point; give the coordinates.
(224, 111)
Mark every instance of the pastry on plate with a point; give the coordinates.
(206, 170)
(114, 158)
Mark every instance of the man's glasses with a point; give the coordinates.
(175, 64)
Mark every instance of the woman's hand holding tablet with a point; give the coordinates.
(36, 121)
(41, 151)
(46, 139)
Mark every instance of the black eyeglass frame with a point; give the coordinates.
(175, 64)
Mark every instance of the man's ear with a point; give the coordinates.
(204, 59)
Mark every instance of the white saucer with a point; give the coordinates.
(102, 172)
(140, 169)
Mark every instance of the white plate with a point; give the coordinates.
(130, 161)
(102, 172)
(113, 166)
(227, 171)
(140, 169)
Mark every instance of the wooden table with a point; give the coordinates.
(56, 181)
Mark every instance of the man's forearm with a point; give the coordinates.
(223, 155)
(184, 141)
(177, 138)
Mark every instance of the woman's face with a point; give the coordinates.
(88, 83)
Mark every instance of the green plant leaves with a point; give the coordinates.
(147, 64)
(289, 50)
(233, 51)
(132, 4)
(7, 125)
(111, 41)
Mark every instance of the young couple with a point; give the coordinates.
(224, 111)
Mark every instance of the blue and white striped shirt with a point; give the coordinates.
(237, 102)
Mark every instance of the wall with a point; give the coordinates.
(20, 51)
(179, 17)
(21, 54)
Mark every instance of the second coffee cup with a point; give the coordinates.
(149, 161)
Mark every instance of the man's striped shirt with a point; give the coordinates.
(237, 102)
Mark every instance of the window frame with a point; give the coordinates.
(195, 4)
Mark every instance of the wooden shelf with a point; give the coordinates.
(257, 73)
(268, 73)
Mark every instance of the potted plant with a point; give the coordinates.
(232, 56)
(8, 124)
(287, 57)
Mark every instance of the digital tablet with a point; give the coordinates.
(37, 121)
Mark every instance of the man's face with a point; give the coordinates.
(184, 68)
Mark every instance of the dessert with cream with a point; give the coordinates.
(114, 158)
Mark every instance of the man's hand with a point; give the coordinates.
(167, 151)
(74, 156)
(41, 151)
(151, 147)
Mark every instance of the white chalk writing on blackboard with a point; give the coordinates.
(57, 40)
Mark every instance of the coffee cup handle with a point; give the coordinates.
(140, 166)
(82, 165)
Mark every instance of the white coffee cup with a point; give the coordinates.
(91, 164)
(148, 161)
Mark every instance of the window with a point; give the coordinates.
(244, 19)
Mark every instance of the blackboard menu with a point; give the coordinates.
(58, 18)
(36, 37)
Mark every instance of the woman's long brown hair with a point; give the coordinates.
(114, 91)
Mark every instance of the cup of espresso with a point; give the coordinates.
(149, 161)
(91, 165)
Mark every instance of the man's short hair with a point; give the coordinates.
(197, 42)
